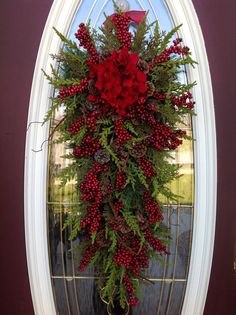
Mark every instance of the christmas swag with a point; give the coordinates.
(122, 100)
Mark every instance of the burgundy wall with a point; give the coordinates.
(217, 19)
(21, 25)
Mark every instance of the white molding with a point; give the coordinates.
(205, 162)
(60, 16)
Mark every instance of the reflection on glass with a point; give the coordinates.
(75, 293)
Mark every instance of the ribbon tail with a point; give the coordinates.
(136, 16)
(110, 18)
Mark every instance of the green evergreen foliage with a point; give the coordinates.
(136, 174)
(167, 37)
(105, 133)
(131, 221)
(139, 36)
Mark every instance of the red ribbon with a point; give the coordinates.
(134, 16)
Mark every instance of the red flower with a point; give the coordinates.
(118, 79)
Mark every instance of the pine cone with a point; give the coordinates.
(151, 88)
(144, 224)
(140, 218)
(89, 106)
(120, 150)
(143, 66)
(138, 150)
(101, 240)
(124, 165)
(136, 121)
(115, 147)
(105, 55)
(125, 229)
(115, 117)
(102, 157)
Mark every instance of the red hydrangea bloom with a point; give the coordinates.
(119, 80)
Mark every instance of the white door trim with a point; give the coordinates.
(204, 131)
(60, 16)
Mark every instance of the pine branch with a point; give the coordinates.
(122, 294)
(131, 220)
(139, 36)
(109, 288)
(135, 172)
(129, 126)
(168, 37)
(77, 139)
(117, 9)
(66, 41)
(113, 238)
(68, 173)
(106, 132)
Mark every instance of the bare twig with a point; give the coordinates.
(50, 136)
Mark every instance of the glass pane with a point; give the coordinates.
(75, 292)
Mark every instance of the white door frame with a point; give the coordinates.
(60, 16)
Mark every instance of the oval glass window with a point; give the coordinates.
(75, 292)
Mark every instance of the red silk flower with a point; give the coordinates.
(118, 80)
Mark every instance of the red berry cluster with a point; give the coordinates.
(132, 257)
(105, 168)
(142, 112)
(121, 24)
(152, 208)
(89, 146)
(94, 215)
(114, 225)
(117, 205)
(123, 257)
(122, 135)
(120, 180)
(142, 100)
(183, 100)
(155, 243)
(159, 96)
(152, 107)
(76, 125)
(91, 119)
(73, 90)
(91, 187)
(177, 41)
(164, 138)
(85, 41)
(176, 48)
(146, 167)
(91, 251)
(92, 192)
(140, 258)
(132, 299)
(109, 189)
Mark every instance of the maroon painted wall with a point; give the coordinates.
(21, 25)
(217, 19)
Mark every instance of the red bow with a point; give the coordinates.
(134, 16)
